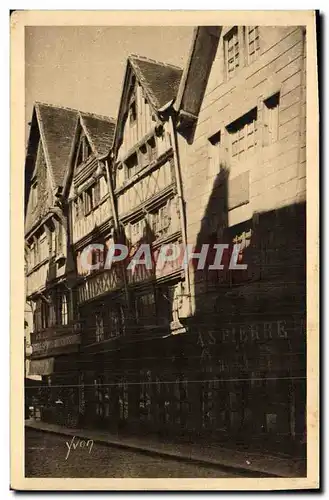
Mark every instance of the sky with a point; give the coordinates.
(83, 67)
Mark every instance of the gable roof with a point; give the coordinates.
(58, 124)
(99, 130)
(160, 80)
(57, 127)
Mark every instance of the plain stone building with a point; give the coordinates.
(240, 116)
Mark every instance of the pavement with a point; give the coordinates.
(244, 462)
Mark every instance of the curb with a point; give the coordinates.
(164, 454)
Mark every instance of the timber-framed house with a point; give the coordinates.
(55, 336)
(91, 215)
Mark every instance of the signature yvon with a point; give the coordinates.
(78, 443)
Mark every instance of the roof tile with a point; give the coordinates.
(161, 80)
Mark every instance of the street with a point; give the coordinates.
(48, 455)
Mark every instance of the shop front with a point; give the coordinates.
(56, 361)
(247, 375)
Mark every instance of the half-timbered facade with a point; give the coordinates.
(128, 311)
(147, 192)
(91, 219)
(55, 337)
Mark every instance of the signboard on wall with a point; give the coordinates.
(49, 345)
(41, 366)
(53, 332)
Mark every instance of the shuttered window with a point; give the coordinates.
(252, 43)
(243, 134)
(232, 52)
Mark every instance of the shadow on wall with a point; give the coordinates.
(272, 247)
(250, 323)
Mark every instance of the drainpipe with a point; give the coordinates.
(181, 201)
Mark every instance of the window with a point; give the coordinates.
(160, 220)
(145, 309)
(243, 134)
(243, 238)
(232, 52)
(151, 144)
(37, 325)
(88, 200)
(52, 313)
(34, 196)
(137, 230)
(214, 150)
(271, 119)
(252, 43)
(64, 309)
(45, 314)
(132, 113)
(116, 320)
(99, 327)
(132, 165)
(43, 247)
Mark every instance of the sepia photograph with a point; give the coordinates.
(170, 325)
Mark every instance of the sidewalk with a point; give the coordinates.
(243, 462)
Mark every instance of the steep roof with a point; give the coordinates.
(160, 80)
(57, 126)
(100, 131)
